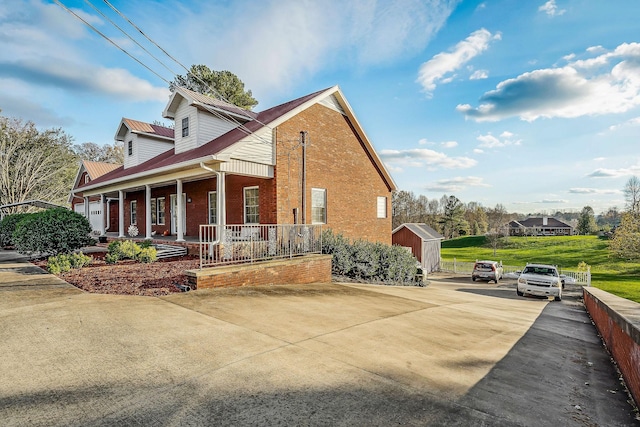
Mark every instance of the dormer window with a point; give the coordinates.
(185, 127)
(130, 148)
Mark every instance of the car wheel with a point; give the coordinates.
(558, 298)
(473, 279)
(497, 279)
(520, 294)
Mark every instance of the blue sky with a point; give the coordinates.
(533, 104)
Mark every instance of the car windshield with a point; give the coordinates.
(547, 271)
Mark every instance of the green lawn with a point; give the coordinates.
(609, 273)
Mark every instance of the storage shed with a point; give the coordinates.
(423, 241)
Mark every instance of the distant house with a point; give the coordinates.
(307, 161)
(423, 241)
(540, 226)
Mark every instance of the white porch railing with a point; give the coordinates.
(229, 244)
(460, 267)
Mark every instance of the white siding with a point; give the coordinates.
(247, 168)
(210, 127)
(332, 102)
(189, 142)
(144, 148)
(148, 148)
(130, 160)
(257, 148)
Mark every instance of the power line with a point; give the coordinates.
(109, 40)
(129, 37)
(226, 118)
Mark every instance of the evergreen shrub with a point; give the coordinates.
(8, 226)
(53, 231)
(362, 260)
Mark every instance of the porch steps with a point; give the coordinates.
(168, 251)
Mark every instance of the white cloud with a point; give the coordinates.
(606, 84)
(614, 173)
(631, 122)
(551, 201)
(293, 39)
(580, 190)
(424, 157)
(479, 75)
(456, 184)
(436, 70)
(551, 9)
(449, 144)
(478, 151)
(424, 141)
(490, 141)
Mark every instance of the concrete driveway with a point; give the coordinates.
(453, 353)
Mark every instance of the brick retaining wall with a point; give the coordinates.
(299, 270)
(618, 322)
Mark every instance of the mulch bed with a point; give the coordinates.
(162, 277)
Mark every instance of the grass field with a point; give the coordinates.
(620, 277)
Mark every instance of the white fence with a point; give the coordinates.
(459, 267)
(228, 244)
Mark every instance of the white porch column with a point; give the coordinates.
(86, 208)
(120, 213)
(102, 217)
(221, 202)
(179, 207)
(147, 210)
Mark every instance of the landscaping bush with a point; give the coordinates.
(128, 249)
(79, 260)
(58, 264)
(364, 260)
(147, 255)
(8, 226)
(54, 231)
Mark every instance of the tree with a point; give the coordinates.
(34, 164)
(587, 221)
(217, 84)
(452, 221)
(497, 218)
(105, 153)
(632, 194)
(476, 216)
(626, 239)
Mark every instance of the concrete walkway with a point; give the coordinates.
(454, 353)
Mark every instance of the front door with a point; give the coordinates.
(174, 213)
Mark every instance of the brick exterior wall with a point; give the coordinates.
(300, 270)
(621, 336)
(336, 160)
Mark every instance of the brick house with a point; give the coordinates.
(540, 226)
(307, 161)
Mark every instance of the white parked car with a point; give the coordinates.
(487, 270)
(540, 280)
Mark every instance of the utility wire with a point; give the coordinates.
(130, 38)
(213, 90)
(228, 119)
(109, 40)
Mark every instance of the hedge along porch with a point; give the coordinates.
(307, 161)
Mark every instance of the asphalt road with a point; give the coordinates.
(453, 353)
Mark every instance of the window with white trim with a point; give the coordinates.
(318, 206)
(213, 207)
(382, 207)
(251, 205)
(134, 214)
(160, 210)
(130, 148)
(185, 127)
(154, 213)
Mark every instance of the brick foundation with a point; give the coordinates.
(299, 270)
(618, 322)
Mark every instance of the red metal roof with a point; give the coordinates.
(212, 147)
